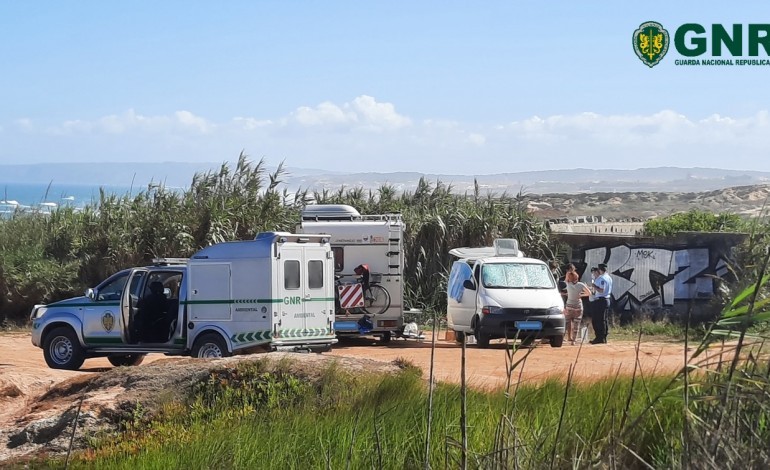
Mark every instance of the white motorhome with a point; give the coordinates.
(495, 292)
(372, 240)
(276, 291)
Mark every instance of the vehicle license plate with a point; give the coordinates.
(345, 326)
(529, 325)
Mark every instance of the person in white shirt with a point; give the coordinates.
(600, 306)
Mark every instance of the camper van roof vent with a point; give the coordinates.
(506, 247)
(330, 212)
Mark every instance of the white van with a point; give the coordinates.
(276, 291)
(495, 292)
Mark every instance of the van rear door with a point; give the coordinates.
(307, 290)
(319, 294)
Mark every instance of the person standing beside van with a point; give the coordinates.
(600, 306)
(573, 309)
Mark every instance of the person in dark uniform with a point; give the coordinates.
(153, 311)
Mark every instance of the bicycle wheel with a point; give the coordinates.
(376, 299)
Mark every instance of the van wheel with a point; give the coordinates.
(210, 346)
(459, 336)
(482, 340)
(126, 359)
(557, 341)
(62, 349)
(386, 337)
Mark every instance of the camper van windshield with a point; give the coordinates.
(516, 276)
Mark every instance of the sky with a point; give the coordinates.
(384, 86)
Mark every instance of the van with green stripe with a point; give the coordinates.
(273, 292)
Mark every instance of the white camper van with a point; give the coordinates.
(495, 292)
(275, 291)
(375, 241)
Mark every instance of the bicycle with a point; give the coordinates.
(376, 298)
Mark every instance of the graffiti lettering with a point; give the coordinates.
(644, 254)
(655, 276)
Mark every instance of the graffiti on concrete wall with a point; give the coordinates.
(642, 275)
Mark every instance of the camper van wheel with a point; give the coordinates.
(210, 346)
(62, 349)
(126, 359)
(386, 337)
(557, 341)
(482, 340)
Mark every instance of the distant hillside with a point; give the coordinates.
(581, 180)
(639, 206)
(573, 181)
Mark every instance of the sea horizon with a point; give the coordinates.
(52, 195)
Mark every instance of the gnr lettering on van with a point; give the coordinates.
(296, 300)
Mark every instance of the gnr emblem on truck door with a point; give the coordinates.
(108, 321)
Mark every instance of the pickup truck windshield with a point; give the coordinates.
(516, 276)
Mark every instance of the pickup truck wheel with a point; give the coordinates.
(482, 340)
(126, 359)
(557, 341)
(62, 349)
(210, 346)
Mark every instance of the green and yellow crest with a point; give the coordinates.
(651, 43)
(108, 321)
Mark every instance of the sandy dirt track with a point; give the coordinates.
(22, 365)
(37, 403)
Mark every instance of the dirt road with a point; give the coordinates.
(32, 420)
(22, 366)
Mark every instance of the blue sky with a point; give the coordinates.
(439, 87)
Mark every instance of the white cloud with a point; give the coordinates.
(365, 134)
(363, 113)
(188, 119)
(249, 124)
(476, 139)
(323, 114)
(132, 121)
(24, 124)
(378, 115)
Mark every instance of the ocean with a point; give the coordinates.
(45, 197)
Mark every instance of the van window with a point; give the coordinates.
(291, 274)
(516, 276)
(339, 258)
(136, 282)
(113, 289)
(315, 274)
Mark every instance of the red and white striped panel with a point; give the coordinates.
(351, 295)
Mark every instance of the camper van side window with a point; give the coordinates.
(315, 274)
(339, 258)
(291, 274)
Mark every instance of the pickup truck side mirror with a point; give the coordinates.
(468, 284)
(91, 293)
